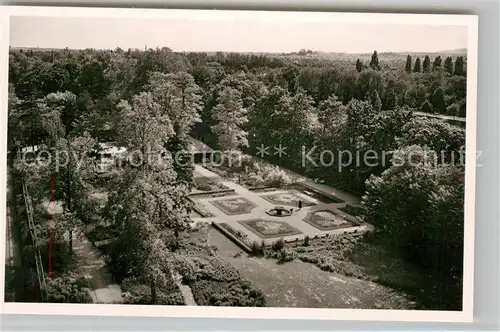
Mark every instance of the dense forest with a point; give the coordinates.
(74, 99)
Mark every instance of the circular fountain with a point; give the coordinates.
(279, 211)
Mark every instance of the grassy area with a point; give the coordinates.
(388, 269)
(212, 280)
(294, 283)
(354, 255)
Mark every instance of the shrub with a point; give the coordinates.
(306, 241)
(67, 289)
(257, 249)
(278, 245)
(275, 177)
(239, 293)
(285, 256)
(139, 293)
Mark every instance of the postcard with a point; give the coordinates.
(255, 164)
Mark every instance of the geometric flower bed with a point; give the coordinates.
(287, 198)
(233, 206)
(269, 228)
(326, 220)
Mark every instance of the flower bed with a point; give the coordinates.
(326, 220)
(289, 198)
(269, 229)
(234, 206)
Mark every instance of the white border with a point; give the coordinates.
(466, 315)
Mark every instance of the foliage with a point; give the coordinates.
(278, 245)
(137, 293)
(257, 249)
(67, 289)
(143, 127)
(416, 224)
(238, 293)
(152, 99)
(230, 117)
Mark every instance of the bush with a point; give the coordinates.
(135, 292)
(275, 177)
(257, 249)
(285, 256)
(236, 294)
(211, 268)
(306, 241)
(67, 289)
(101, 233)
(278, 245)
(161, 298)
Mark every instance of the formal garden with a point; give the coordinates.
(140, 223)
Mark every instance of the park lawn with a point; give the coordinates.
(390, 270)
(300, 284)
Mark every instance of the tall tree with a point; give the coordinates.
(408, 64)
(180, 99)
(143, 128)
(438, 101)
(416, 68)
(375, 101)
(64, 104)
(426, 65)
(459, 66)
(230, 117)
(437, 62)
(448, 65)
(422, 225)
(427, 107)
(139, 251)
(390, 100)
(73, 175)
(374, 61)
(359, 65)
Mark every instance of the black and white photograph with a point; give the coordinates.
(275, 164)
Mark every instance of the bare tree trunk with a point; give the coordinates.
(153, 292)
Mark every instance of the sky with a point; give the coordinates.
(232, 35)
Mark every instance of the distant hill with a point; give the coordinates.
(457, 51)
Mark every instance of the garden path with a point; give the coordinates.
(93, 267)
(91, 264)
